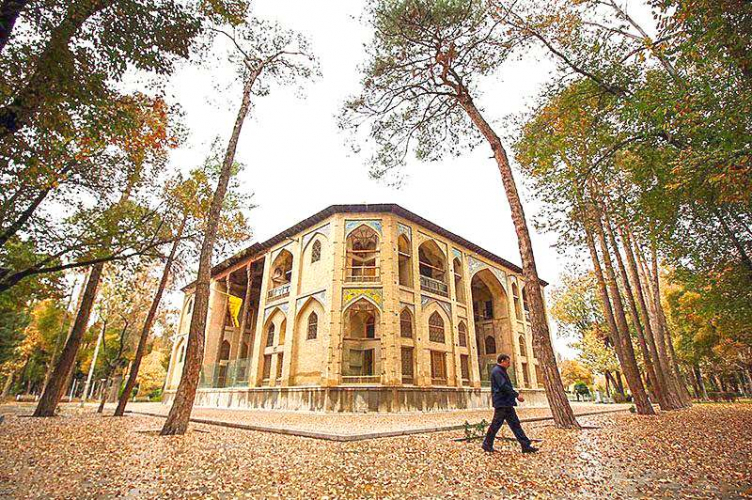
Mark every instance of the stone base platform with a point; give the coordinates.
(353, 399)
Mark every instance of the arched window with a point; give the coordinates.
(316, 251)
(406, 324)
(405, 263)
(459, 284)
(490, 345)
(243, 350)
(313, 326)
(281, 276)
(181, 352)
(224, 353)
(363, 255)
(436, 328)
(432, 266)
(270, 336)
(462, 334)
(523, 346)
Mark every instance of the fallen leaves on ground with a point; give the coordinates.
(701, 452)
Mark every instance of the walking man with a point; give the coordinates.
(504, 396)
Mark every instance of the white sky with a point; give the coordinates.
(296, 159)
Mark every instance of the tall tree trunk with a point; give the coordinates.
(665, 333)
(619, 382)
(64, 367)
(628, 293)
(141, 349)
(670, 398)
(59, 338)
(93, 363)
(103, 394)
(557, 398)
(51, 396)
(698, 375)
(180, 412)
(647, 278)
(624, 350)
(8, 385)
(9, 12)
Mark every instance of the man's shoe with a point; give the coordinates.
(487, 448)
(530, 449)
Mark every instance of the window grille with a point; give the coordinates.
(406, 324)
(462, 334)
(316, 251)
(270, 336)
(436, 328)
(313, 326)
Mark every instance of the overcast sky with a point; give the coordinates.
(297, 162)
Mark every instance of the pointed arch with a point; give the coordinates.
(406, 324)
(459, 282)
(490, 344)
(404, 258)
(462, 333)
(436, 328)
(316, 251)
(363, 255)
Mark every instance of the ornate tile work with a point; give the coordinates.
(424, 301)
(351, 225)
(406, 230)
(411, 307)
(474, 264)
(322, 230)
(320, 296)
(267, 312)
(500, 274)
(350, 295)
(457, 254)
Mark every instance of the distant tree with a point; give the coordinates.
(572, 371)
(189, 201)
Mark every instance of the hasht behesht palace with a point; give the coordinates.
(360, 308)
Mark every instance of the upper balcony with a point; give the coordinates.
(434, 286)
(279, 292)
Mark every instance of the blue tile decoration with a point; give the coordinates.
(424, 301)
(282, 307)
(501, 275)
(406, 230)
(410, 307)
(474, 265)
(319, 296)
(351, 225)
(457, 254)
(324, 230)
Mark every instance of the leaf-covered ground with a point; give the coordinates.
(702, 452)
(359, 423)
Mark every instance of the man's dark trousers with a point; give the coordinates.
(501, 414)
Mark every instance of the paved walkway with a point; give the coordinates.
(355, 426)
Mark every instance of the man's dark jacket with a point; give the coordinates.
(502, 391)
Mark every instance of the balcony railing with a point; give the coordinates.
(278, 293)
(363, 274)
(361, 379)
(434, 286)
